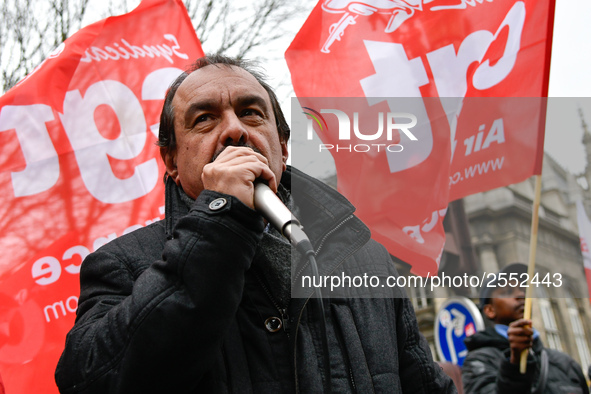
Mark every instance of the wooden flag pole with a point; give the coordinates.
(533, 242)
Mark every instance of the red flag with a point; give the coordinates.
(488, 61)
(79, 167)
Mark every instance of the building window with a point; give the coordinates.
(552, 336)
(577, 325)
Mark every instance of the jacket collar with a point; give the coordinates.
(321, 207)
(175, 206)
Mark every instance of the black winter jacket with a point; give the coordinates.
(176, 308)
(487, 368)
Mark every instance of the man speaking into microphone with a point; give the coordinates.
(201, 301)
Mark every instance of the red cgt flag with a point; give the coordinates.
(467, 78)
(79, 167)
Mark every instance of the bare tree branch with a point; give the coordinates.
(30, 29)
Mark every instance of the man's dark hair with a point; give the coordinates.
(166, 136)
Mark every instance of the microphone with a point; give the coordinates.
(276, 213)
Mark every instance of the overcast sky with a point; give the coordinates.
(570, 77)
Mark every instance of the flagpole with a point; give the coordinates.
(533, 242)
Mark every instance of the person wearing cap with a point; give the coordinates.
(492, 364)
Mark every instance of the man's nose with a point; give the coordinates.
(233, 131)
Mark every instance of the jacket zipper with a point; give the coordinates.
(295, 365)
(341, 342)
(328, 234)
(321, 244)
(343, 347)
(282, 311)
(352, 380)
(297, 383)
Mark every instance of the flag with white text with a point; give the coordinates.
(79, 167)
(486, 61)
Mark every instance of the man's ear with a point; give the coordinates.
(489, 311)
(169, 158)
(284, 154)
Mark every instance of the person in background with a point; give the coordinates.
(492, 364)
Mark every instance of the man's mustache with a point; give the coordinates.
(246, 145)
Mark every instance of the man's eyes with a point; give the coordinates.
(202, 118)
(252, 112)
(245, 113)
